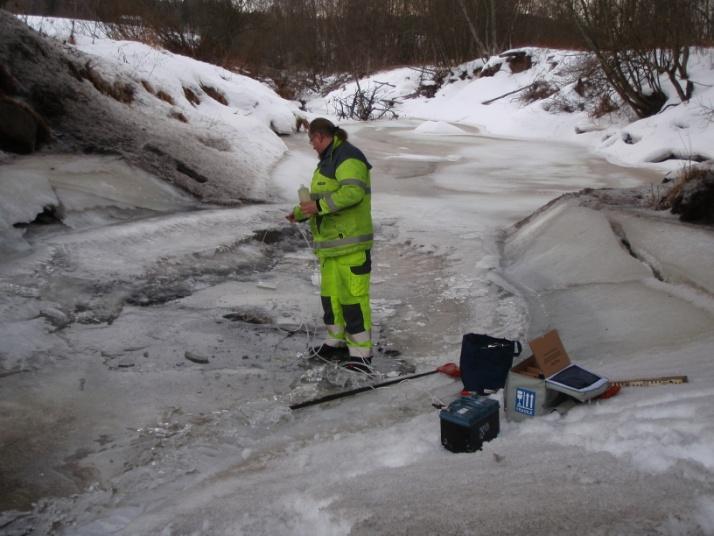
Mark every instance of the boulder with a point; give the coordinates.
(518, 60)
(8, 84)
(490, 69)
(22, 130)
(695, 200)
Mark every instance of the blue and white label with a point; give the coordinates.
(525, 402)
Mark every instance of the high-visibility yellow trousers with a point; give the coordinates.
(344, 291)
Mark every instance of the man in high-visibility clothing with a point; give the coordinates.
(340, 216)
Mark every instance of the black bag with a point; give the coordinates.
(485, 361)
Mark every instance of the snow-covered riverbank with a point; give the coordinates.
(495, 104)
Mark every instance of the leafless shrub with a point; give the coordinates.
(320, 85)
(560, 103)
(604, 105)
(538, 90)
(365, 104)
(431, 79)
(584, 72)
(215, 94)
(655, 196)
(191, 96)
(687, 174)
(590, 84)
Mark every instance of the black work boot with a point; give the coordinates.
(359, 364)
(330, 353)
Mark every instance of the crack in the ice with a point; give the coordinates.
(619, 232)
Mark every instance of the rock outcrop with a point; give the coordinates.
(694, 200)
(22, 129)
(51, 88)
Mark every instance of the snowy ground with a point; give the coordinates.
(107, 412)
(151, 347)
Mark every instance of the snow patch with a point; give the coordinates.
(654, 434)
(439, 128)
(301, 514)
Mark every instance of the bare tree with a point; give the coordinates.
(474, 33)
(365, 103)
(635, 42)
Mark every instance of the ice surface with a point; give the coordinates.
(212, 448)
(679, 252)
(569, 245)
(79, 182)
(610, 320)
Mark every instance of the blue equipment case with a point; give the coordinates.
(468, 422)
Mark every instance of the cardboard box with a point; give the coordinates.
(548, 381)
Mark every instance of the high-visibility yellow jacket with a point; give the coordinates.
(341, 186)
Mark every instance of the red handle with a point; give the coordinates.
(450, 369)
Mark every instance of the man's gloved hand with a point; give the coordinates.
(309, 208)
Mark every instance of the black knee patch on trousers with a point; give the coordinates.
(354, 321)
(329, 316)
(365, 268)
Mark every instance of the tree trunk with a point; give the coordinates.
(479, 43)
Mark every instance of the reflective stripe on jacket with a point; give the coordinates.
(341, 186)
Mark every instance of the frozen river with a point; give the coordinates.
(451, 197)
(147, 365)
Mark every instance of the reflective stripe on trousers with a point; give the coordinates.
(335, 336)
(360, 344)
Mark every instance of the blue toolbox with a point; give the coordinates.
(468, 422)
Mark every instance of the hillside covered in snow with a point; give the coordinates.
(544, 97)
